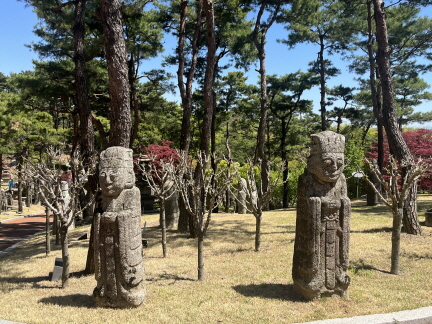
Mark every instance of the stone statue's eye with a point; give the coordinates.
(340, 162)
(327, 161)
(103, 174)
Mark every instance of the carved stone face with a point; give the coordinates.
(327, 167)
(112, 181)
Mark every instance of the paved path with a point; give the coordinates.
(16, 230)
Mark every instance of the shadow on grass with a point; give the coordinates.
(75, 300)
(168, 276)
(17, 282)
(416, 256)
(358, 266)
(384, 229)
(271, 291)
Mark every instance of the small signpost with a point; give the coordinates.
(357, 175)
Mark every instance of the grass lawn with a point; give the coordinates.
(241, 286)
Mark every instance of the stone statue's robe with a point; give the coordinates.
(322, 238)
(118, 256)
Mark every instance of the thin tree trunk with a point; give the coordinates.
(396, 234)
(47, 234)
(65, 255)
(258, 233)
(285, 195)
(164, 230)
(201, 275)
(20, 190)
(56, 229)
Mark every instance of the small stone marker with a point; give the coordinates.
(58, 270)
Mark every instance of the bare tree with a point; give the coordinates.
(257, 198)
(60, 196)
(160, 180)
(202, 191)
(401, 178)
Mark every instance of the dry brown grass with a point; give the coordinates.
(241, 286)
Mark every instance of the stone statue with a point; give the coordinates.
(172, 211)
(66, 204)
(119, 268)
(241, 209)
(322, 236)
(372, 198)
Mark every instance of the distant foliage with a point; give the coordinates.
(420, 143)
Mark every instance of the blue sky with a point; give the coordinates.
(17, 23)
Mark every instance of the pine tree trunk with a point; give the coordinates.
(183, 223)
(411, 225)
(186, 88)
(118, 79)
(397, 144)
(90, 265)
(29, 195)
(322, 85)
(206, 125)
(83, 105)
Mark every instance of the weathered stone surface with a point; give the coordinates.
(241, 209)
(119, 268)
(172, 211)
(66, 204)
(372, 196)
(321, 249)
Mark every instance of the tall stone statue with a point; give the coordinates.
(119, 268)
(321, 245)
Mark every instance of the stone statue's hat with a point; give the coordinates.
(116, 157)
(327, 142)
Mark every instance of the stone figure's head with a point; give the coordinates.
(326, 160)
(116, 170)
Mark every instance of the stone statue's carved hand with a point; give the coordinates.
(109, 216)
